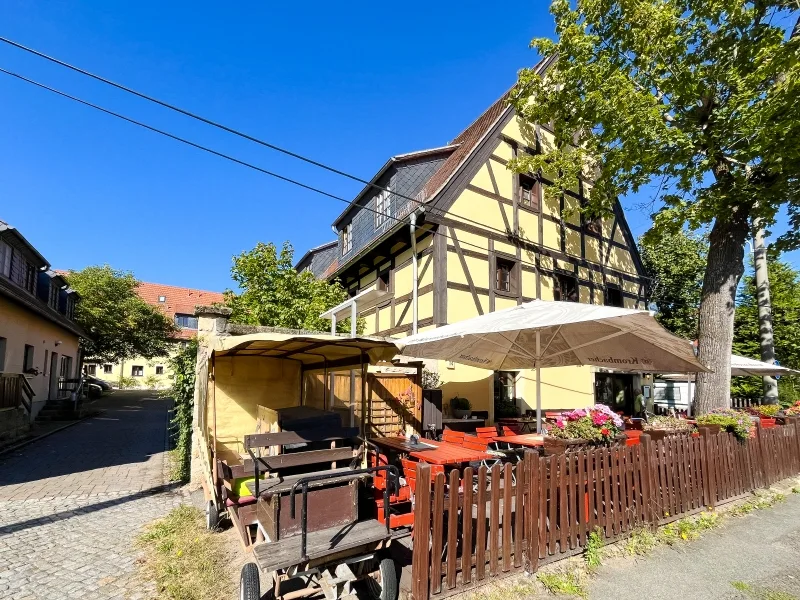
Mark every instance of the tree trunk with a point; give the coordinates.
(717, 306)
(766, 337)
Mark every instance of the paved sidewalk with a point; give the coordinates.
(72, 504)
(759, 550)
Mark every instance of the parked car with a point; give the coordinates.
(95, 387)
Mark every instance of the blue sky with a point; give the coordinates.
(349, 87)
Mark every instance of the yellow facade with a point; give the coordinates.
(481, 223)
(156, 373)
(54, 350)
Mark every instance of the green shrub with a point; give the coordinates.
(181, 391)
(734, 421)
(505, 408)
(126, 383)
(457, 403)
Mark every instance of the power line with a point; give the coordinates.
(200, 118)
(238, 133)
(209, 150)
(245, 163)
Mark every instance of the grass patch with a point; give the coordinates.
(761, 593)
(568, 583)
(796, 490)
(761, 500)
(689, 528)
(641, 542)
(185, 560)
(175, 466)
(517, 588)
(593, 554)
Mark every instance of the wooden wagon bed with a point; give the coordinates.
(326, 543)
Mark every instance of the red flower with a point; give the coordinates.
(605, 431)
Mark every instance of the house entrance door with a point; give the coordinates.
(52, 386)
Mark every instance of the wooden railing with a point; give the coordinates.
(15, 391)
(475, 525)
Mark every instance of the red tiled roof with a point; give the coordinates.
(180, 300)
(177, 299)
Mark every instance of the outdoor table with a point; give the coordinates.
(450, 454)
(531, 440)
(523, 424)
(401, 444)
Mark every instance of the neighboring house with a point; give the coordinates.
(178, 304)
(486, 239)
(39, 340)
(318, 259)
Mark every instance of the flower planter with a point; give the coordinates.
(461, 414)
(712, 427)
(553, 445)
(660, 434)
(767, 422)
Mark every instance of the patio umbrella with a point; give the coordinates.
(745, 367)
(557, 334)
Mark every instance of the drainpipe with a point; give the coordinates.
(414, 276)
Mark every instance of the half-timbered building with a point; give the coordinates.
(482, 238)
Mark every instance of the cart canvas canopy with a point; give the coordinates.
(312, 351)
(557, 334)
(267, 372)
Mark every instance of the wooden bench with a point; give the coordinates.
(292, 455)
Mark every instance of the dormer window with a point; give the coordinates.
(346, 238)
(162, 298)
(186, 321)
(5, 259)
(70, 307)
(383, 208)
(52, 299)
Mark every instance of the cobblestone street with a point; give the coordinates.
(72, 504)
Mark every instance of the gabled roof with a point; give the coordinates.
(180, 300)
(313, 251)
(468, 140)
(10, 230)
(393, 160)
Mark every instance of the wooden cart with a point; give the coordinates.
(277, 458)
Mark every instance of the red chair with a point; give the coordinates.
(453, 437)
(410, 474)
(488, 433)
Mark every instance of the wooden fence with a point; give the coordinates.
(482, 523)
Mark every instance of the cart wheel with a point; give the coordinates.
(212, 516)
(383, 584)
(249, 584)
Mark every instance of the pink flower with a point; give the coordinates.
(560, 423)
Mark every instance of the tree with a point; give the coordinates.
(276, 295)
(120, 323)
(697, 97)
(675, 266)
(785, 292)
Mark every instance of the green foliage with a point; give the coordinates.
(697, 100)
(186, 561)
(759, 501)
(667, 423)
(567, 582)
(504, 407)
(276, 295)
(182, 392)
(126, 383)
(734, 421)
(784, 288)
(697, 96)
(457, 403)
(120, 323)
(593, 552)
(641, 542)
(151, 382)
(430, 380)
(768, 410)
(675, 265)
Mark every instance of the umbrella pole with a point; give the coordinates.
(538, 383)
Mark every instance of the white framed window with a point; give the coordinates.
(347, 238)
(137, 371)
(107, 368)
(5, 259)
(383, 208)
(159, 369)
(91, 370)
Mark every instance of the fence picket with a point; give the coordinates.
(420, 559)
(452, 529)
(519, 511)
(494, 521)
(583, 499)
(437, 532)
(466, 528)
(480, 528)
(507, 494)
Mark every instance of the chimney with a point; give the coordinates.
(212, 320)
